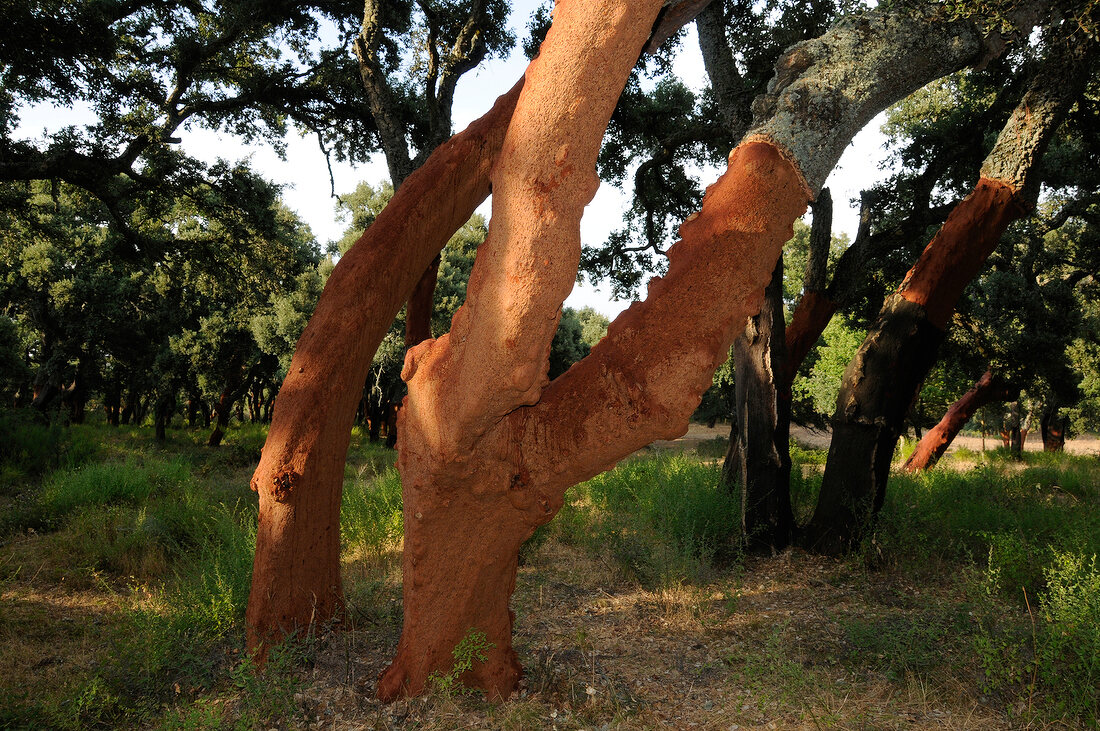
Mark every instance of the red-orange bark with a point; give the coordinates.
(296, 579)
(959, 249)
(937, 439)
(470, 509)
(296, 574)
(463, 532)
(811, 317)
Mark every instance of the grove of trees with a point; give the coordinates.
(136, 278)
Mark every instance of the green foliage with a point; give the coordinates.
(1060, 656)
(568, 345)
(469, 650)
(108, 483)
(30, 447)
(371, 520)
(665, 519)
(821, 388)
(717, 402)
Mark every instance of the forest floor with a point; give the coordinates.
(123, 615)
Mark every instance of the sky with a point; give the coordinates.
(307, 188)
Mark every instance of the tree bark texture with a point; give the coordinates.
(495, 358)
(503, 452)
(480, 419)
(1053, 429)
(763, 461)
(936, 440)
(296, 575)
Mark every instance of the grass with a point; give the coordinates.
(125, 567)
(664, 519)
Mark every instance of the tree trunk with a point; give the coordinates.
(876, 392)
(1053, 429)
(112, 402)
(296, 575)
(229, 396)
(881, 383)
(1016, 434)
(885, 377)
(76, 395)
(763, 466)
(988, 389)
(162, 415)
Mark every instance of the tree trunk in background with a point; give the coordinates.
(236, 384)
(763, 461)
(987, 390)
(884, 378)
(1016, 435)
(418, 311)
(76, 395)
(128, 411)
(1053, 429)
(758, 459)
(162, 415)
(875, 395)
(112, 402)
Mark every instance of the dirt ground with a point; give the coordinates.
(819, 439)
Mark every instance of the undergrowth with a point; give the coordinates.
(664, 519)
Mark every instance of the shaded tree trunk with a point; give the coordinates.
(1053, 429)
(237, 385)
(162, 416)
(762, 466)
(935, 442)
(1015, 434)
(112, 402)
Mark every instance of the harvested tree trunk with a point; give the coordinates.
(296, 572)
(885, 377)
(987, 390)
(487, 447)
(468, 503)
(503, 453)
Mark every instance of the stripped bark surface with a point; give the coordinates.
(488, 447)
(934, 444)
(296, 573)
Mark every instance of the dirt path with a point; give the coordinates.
(819, 439)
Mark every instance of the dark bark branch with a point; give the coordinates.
(821, 239)
(380, 96)
(725, 80)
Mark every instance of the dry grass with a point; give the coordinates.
(771, 647)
